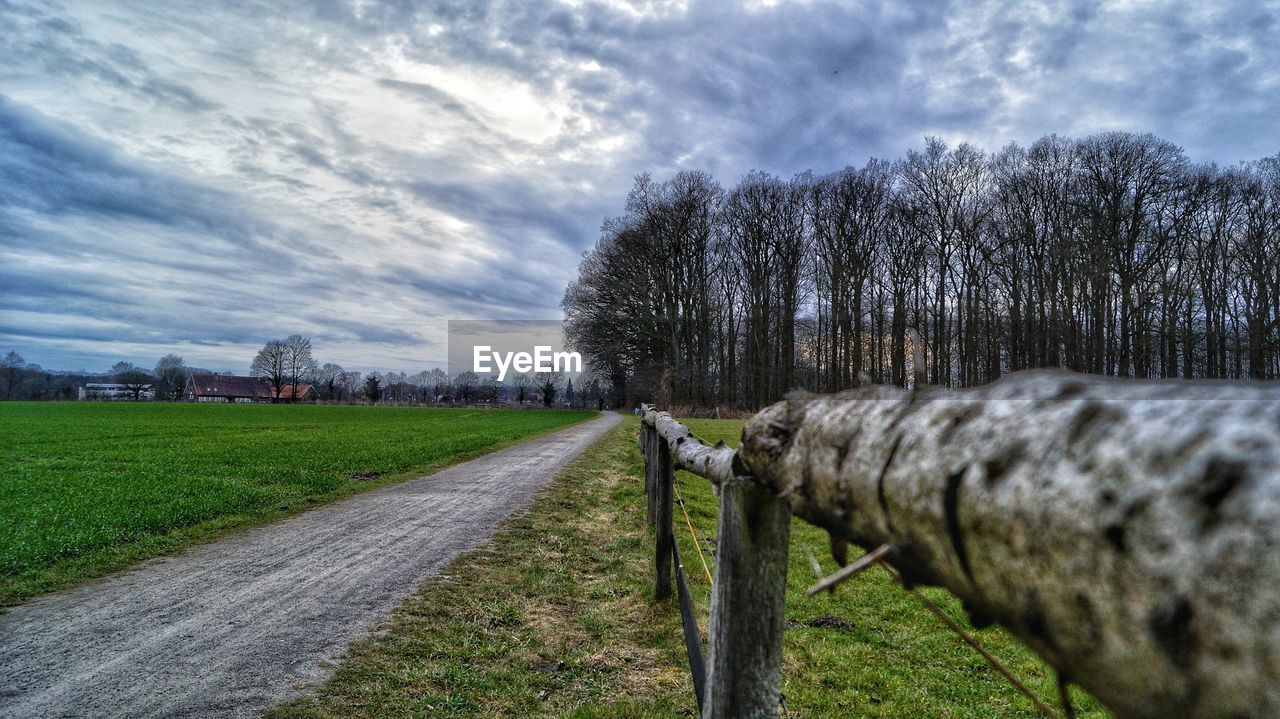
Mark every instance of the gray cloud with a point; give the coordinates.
(434, 97)
(56, 45)
(207, 177)
(51, 169)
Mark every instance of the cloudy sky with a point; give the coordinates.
(202, 177)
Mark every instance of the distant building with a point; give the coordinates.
(304, 392)
(228, 388)
(115, 392)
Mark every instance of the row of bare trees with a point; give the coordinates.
(290, 363)
(435, 386)
(285, 363)
(1112, 254)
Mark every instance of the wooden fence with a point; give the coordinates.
(1128, 532)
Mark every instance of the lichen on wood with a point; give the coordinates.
(713, 462)
(1127, 531)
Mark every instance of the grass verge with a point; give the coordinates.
(555, 619)
(90, 488)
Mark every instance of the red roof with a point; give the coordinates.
(228, 385)
(286, 392)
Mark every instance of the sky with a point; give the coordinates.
(200, 178)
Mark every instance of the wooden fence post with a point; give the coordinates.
(748, 602)
(663, 478)
(649, 441)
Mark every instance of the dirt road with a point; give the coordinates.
(230, 628)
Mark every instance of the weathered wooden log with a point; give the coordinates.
(664, 478)
(748, 604)
(649, 450)
(1129, 532)
(713, 462)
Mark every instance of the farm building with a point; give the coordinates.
(287, 394)
(228, 388)
(112, 391)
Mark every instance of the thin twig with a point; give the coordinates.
(866, 560)
(813, 562)
(977, 646)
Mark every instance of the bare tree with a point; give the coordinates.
(171, 375)
(350, 384)
(298, 363)
(764, 225)
(396, 387)
(612, 315)
(487, 389)
(272, 362)
(11, 367)
(850, 212)
(522, 383)
(440, 384)
(465, 385)
(1128, 181)
(329, 379)
(1257, 247)
(133, 380)
(903, 267)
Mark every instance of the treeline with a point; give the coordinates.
(22, 380)
(289, 363)
(1112, 254)
(435, 386)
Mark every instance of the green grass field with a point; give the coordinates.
(556, 618)
(90, 487)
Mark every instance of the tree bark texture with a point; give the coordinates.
(663, 479)
(713, 462)
(1127, 531)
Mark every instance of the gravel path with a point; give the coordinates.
(227, 629)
